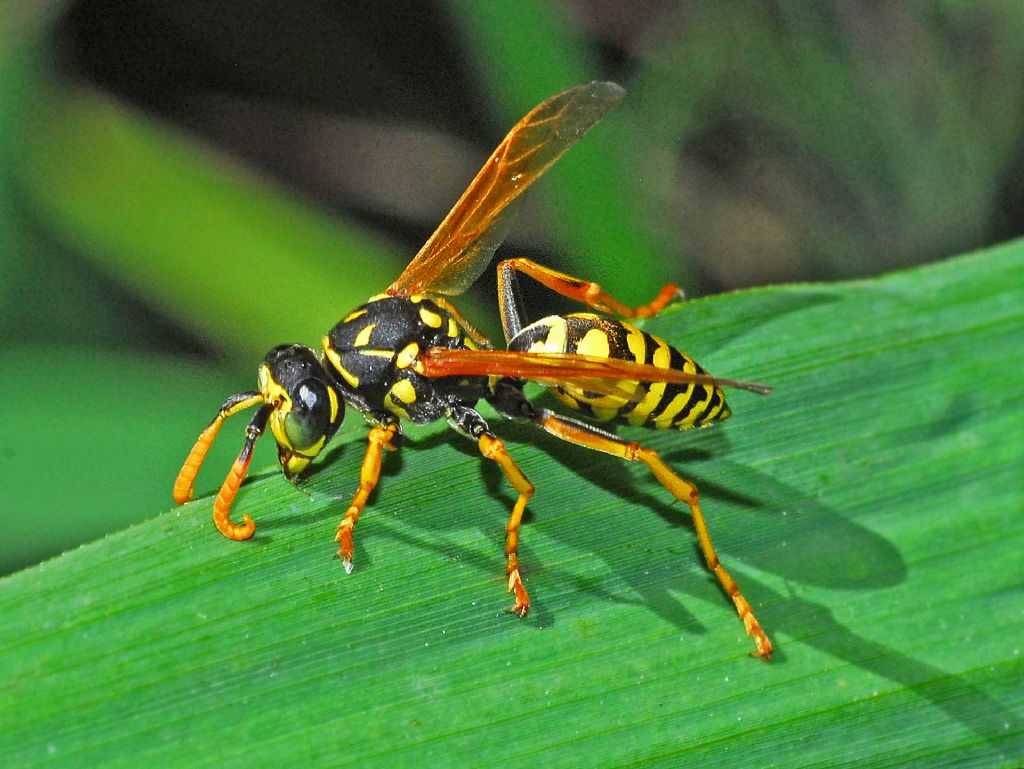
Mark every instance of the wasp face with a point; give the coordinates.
(306, 409)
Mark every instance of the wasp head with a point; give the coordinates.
(306, 409)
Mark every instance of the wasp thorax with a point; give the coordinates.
(307, 410)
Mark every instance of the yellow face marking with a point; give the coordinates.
(363, 337)
(453, 328)
(272, 392)
(595, 343)
(296, 463)
(432, 319)
(407, 355)
(333, 398)
(277, 428)
(354, 314)
(335, 360)
(404, 391)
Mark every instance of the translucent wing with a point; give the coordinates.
(462, 246)
(603, 375)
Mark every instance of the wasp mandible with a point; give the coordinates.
(408, 354)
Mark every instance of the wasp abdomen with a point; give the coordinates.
(657, 405)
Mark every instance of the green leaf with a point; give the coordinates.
(870, 509)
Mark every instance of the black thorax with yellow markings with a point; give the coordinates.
(371, 358)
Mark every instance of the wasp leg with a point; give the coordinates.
(586, 435)
(228, 490)
(183, 485)
(380, 438)
(583, 291)
(470, 423)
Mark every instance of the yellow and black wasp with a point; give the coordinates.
(408, 354)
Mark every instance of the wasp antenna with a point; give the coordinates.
(229, 489)
(183, 485)
(754, 387)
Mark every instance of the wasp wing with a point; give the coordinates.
(603, 375)
(462, 246)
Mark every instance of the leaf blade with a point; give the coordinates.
(893, 405)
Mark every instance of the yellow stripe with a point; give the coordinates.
(594, 342)
(664, 419)
(662, 356)
(354, 314)
(604, 414)
(636, 343)
(554, 340)
(691, 418)
(377, 353)
(655, 391)
(453, 328)
(363, 337)
(335, 359)
(709, 416)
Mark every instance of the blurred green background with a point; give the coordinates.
(185, 184)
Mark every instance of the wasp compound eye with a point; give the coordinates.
(309, 422)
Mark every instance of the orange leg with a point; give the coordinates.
(380, 438)
(226, 495)
(492, 448)
(183, 485)
(592, 438)
(583, 291)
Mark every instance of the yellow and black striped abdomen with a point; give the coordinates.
(657, 405)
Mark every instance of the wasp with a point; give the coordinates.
(409, 355)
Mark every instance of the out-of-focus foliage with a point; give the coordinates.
(185, 185)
